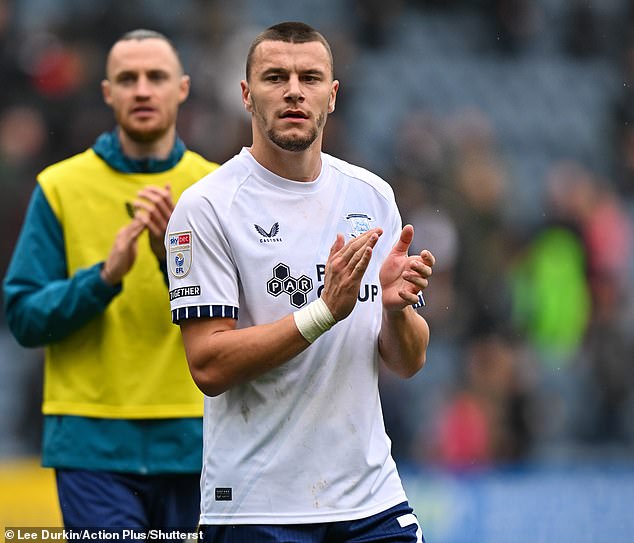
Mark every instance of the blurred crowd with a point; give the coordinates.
(531, 304)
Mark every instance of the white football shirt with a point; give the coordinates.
(305, 442)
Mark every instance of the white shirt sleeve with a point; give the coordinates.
(202, 274)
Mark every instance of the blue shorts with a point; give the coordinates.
(109, 500)
(395, 525)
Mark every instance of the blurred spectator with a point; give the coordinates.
(480, 182)
(551, 293)
(606, 232)
(57, 71)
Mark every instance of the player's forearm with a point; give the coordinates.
(403, 341)
(42, 314)
(42, 303)
(221, 359)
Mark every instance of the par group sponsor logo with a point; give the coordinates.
(283, 282)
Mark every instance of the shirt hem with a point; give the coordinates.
(278, 518)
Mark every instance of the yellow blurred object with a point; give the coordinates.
(28, 495)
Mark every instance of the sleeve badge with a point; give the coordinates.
(179, 256)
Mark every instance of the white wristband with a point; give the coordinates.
(314, 319)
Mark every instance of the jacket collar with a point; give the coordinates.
(108, 148)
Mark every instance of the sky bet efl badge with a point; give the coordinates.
(180, 253)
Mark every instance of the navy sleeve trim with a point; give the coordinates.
(204, 311)
(421, 301)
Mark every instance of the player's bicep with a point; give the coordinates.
(198, 338)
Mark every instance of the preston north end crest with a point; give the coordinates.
(179, 258)
(359, 223)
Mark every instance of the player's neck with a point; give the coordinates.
(294, 165)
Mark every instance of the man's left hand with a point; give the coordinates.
(154, 207)
(402, 276)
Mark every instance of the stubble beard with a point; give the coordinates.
(294, 144)
(142, 135)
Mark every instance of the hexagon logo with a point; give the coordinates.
(283, 281)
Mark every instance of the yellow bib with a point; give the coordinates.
(127, 362)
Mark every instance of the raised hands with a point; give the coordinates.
(152, 210)
(344, 270)
(154, 207)
(123, 252)
(402, 277)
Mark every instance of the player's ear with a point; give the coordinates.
(106, 91)
(183, 88)
(333, 96)
(246, 96)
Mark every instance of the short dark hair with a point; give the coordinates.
(145, 34)
(289, 32)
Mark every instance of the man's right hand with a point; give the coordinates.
(344, 270)
(123, 253)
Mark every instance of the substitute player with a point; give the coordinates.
(122, 423)
(291, 282)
